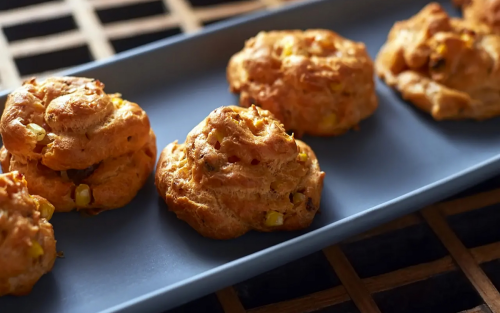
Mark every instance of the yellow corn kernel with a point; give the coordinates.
(219, 135)
(441, 49)
(46, 208)
(38, 131)
(329, 120)
(258, 123)
(298, 198)
(287, 48)
(35, 250)
(274, 218)
(302, 157)
(38, 105)
(82, 195)
(117, 101)
(468, 39)
(336, 87)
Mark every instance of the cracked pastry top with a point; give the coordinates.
(77, 146)
(237, 171)
(445, 66)
(27, 244)
(315, 81)
(481, 11)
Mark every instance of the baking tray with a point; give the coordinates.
(141, 258)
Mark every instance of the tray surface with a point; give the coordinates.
(142, 258)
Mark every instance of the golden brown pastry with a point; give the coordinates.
(481, 11)
(27, 244)
(445, 66)
(315, 81)
(238, 170)
(77, 146)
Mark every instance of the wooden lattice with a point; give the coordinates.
(360, 291)
(91, 32)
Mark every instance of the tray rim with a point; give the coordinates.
(475, 174)
(281, 247)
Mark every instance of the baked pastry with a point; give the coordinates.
(77, 146)
(315, 81)
(444, 66)
(27, 244)
(481, 11)
(238, 171)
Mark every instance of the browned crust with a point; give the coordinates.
(85, 128)
(224, 189)
(445, 66)
(481, 11)
(304, 78)
(114, 183)
(21, 225)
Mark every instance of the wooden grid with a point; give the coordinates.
(352, 287)
(360, 291)
(93, 33)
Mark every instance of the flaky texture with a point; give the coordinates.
(27, 244)
(238, 171)
(90, 138)
(481, 11)
(445, 66)
(315, 81)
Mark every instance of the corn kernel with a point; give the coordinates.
(82, 195)
(274, 218)
(468, 39)
(298, 198)
(46, 208)
(302, 157)
(219, 135)
(35, 250)
(441, 49)
(38, 105)
(258, 123)
(38, 131)
(117, 101)
(287, 48)
(336, 87)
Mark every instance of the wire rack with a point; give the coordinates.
(445, 258)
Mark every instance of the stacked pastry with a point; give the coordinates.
(77, 146)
